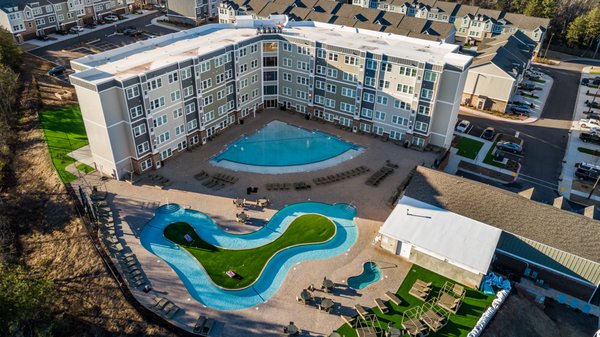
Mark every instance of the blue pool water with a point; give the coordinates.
(371, 274)
(281, 144)
(197, 280)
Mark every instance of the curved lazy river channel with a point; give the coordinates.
(197, 281)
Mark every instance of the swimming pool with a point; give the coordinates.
(197, 281)
(371, 274)
(280, 145)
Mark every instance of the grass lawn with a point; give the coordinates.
(460, 324)
(248, 263)
(530, 96)
(64, 132)
(468, 147)
(538, 81)
(588, 151)
(489, 158)
(85, 168)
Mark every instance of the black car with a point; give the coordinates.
(592, 104)
(589, 137)
(527, 86)
(132, 31)
(587, 172)
(488, 133)
(56, 71)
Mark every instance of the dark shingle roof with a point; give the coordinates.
(570, 232)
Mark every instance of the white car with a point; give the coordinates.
(589, 123)
(534, 73)
(76, 29)
(111, 18)
(463, 126)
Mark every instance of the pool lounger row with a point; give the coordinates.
(204, 325)
(378, 176)
(278, 186)
(165, 307)
(341, 176)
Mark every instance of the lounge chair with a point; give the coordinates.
(414, 327)
(349, 320)
(172, 311)
(421, 287)
(199, 324)
(434, 320)
(208, 326)
(393, 298)
(458, 290)
(423, 283)
(360, 310)
(419, 293)
(160, 303)
(381, 305)
(449, 302)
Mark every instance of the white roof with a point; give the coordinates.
(452, 236)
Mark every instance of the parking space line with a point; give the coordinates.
(537, 181)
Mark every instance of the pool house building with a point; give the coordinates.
(146, 102)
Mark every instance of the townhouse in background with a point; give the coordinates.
(192, 12)
(339, 13)
(497, 71)
(463, 229)
(26, 19)
(150, 100)
(473, 24)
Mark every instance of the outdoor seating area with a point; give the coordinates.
(263, 202)
(219, 181)
(165, 307)
(322, 303)
(451, 297)
(204, 325)
(239, 203)
(278, 186)
(301, 186)
(159, 180)
(332, 178)
(376, 178)
(420, 289)
(242, 217)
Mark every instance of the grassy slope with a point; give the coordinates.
(248, 263)
(64, 132)
(468, 147)
(459, 325)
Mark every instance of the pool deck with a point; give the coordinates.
(133, 205)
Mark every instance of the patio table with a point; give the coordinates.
(327, 304)
(305, 295)
(328, 284)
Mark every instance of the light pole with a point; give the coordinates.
(548, 46)
(597, 45)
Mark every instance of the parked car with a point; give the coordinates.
(589, 122)
(591, 115)
(527, 86)
(533, 72)
(43, 37)
(520, 110)
(488, 133)
(56, 70)
(592, 104)
(111, 17)
(587, 171)
(593, 81)
(132, 31)
(509, 147)
(75, 29)
(590, 137)
(463, 126)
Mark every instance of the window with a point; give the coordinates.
(401, 105)
(321, 70)
(208, 100)
(371, 64)
(319, 99)
(154, 84)
(269, 47)
(173, 77)
(380, 115)
(166, 154)
(395, 135)
(418, 141)
(426, 93)
(175, 96)
(193, 124)
(188, 91)
(254, 48)
(378, 130)
(270, 76)
(132, 92)
(302, 80)
(286, 46)
(352, 60)
(368, 97)
(269, 61)
(424, 110)
(368, 113)
(220, 78)
(243, 52)
(321, 53)
(420, 126)
(331, 72)
(146, 164)
(303, 95)
(330, 103)
(302, 65)
(369, 81)
(163, 137)
(407, 89)
(287, 91)
(220, 94)
(139, 130)
(347, 92)
(350, 77)
(157, 103)
(331, 88)
(287, 62)
(136, 112)
(384, 84)
(208, 116)
(332, 57)
(177, 113)
(51, 19)
(204, 66)
(254, 63)
(382, 100)
(365, 127)
(429, 76)
(190, 108)
(143, 148)
(303, 50)
(161, 120)
(243, 69)
(387, 67)
(207, 83)
(399, 121)
(287, 77)
(347, 107)
(408, 71)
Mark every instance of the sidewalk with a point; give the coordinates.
(60, 38)
(164, 17)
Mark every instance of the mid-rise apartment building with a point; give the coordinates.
(26, 19)
(145, 102)
(192, 11)
(472, 22)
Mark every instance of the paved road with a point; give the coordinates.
(545, 139)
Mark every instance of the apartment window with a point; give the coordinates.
(222, 109)
(270, 76)
(269, 47)
(418, 141)
(175, 96)
(303, 95)
(387, 67)
(302, 80)
(207, 83)
(157, 103)
(220, 94)
(177, 113)
(166, 154)
(193, 124)
(371, 64)
(365, 112)
(254, 48)
(426, 93)
(330, 103)
(429, 76)
(163, 137)
(408, 71)
(173, 77)
(139, 130)
(254, 63)
(188, 91)
(204, 66)
(209, 116)
(331, 88)
(190, 108)
(420, 126)
(186, 73)
(321, 70)
(378, 130)
(155, 84)
(286, 46)
(347, 107)
(143, 148)
(136, 112)
(423, 110)
(161, 120)
(61, 17)
(220, 78)
(319, 99)
(208, 100)
(132, 92)
(287, 91)
(302, 65)
(380, 115)
(287, 62)
(270, 61)
(287, 77)
(269, 90)
(146, 164)
(332, 57)
(243, 69)
(332, 72)
(243, 52)
(407, 89)
(228, 74)
(231, 104)
(369, 81)
(368, 97)
(395, 135)
(51, 19)
(321, 53)
(382, 100)
(352, 60)
(399, 121)
(384, 84)
(40, 22)
(303, 50)
(58, 7)
(364, 127)
(347, 92)
(401, 105)
(349, 77)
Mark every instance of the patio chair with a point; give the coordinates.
(349, 320)
(393, 298)
(449, 302)
(419, 293)
(208, 326)
(433, 319)
(172, 311)
(160, 303)
(423, 283)
(421, 287)
(360, 310)
(199, 323)
(414, 327)
(381, 305)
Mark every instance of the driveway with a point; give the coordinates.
(545, 139)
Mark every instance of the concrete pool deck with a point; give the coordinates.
(134, 204)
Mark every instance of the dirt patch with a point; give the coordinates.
(53, 241)
(520, 316)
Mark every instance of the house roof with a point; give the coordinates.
(570, 232)
(507, 53)
(452, 236)
(526, 22)
(466, 9)
(449, 8)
